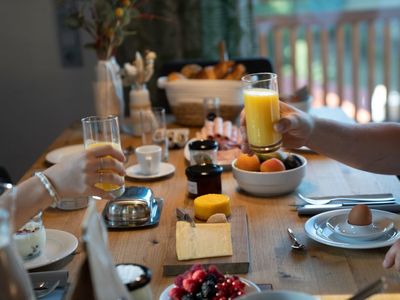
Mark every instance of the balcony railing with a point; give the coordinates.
(342, 57)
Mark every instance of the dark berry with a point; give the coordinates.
(292, 162)
(188, 297)
(208, 289)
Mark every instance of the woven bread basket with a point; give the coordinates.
(185, 98)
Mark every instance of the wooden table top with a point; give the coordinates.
(319, 270)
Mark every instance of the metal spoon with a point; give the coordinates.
(42, 291)
(296, 244)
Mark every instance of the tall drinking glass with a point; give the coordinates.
(99, 131)
(261, 105)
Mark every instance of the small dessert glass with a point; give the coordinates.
(30, 239)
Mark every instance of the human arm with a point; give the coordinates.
(73, 177)
(371, 147)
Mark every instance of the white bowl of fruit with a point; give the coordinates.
(207, 283)
(276, 174)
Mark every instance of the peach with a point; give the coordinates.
(248, 163)
(272, 165)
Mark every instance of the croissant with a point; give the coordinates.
(223, 68)
(238, 71)
(191, 70)
(207, 73)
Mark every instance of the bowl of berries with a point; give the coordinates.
(274, 174)
(204, 283)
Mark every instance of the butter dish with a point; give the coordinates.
(136, 208)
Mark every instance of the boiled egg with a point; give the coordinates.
(360, 215)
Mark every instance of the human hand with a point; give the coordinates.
(392, 257)
(76, 175)
(294, 125)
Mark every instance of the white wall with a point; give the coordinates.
(38, 97)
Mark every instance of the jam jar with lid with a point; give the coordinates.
(204, 179)
(203, 152)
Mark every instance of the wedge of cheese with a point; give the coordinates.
(204, 240)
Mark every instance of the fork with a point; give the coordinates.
(42, 291)
(361, 198)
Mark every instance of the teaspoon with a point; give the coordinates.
(296, 244)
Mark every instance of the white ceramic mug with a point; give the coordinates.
(149, 159)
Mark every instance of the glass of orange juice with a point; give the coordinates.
(99, 131)
(261, 105)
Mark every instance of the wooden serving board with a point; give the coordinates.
(238, 263)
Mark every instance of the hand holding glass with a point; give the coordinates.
(261, 105)
(99, 131)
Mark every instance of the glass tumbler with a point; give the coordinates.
(261, 105)
(99, 131)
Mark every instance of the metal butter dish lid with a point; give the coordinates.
(136, 208)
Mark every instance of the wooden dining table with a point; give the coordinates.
(319, 269)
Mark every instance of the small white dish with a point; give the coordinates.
(317, 229)
(59, 244)
(251, 287)
(379, 226)
(57, 155)
(135, 172)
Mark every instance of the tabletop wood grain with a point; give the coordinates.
(319, 270)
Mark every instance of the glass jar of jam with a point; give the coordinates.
(204, 179)
(203, 152)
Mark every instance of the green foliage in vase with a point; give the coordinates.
(106, 21)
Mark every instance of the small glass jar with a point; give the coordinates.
(203, 152)
(30, 239)
(204, 179)
(136, 279)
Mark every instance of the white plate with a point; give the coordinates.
(226, 164)
(317, 230)
(250, 288)
(165, 169)
(59, 244)
(379, 226)
(59, 154)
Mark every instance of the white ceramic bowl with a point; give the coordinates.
(269, 183)
(278, 295)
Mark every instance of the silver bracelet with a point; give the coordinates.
(49, 188)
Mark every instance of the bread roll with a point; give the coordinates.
(238, 71)
(190, 71)
(207, 73)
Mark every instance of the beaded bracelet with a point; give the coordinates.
(49, 188)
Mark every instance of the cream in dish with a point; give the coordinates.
(30, 240)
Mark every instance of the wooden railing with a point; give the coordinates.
(329, 30)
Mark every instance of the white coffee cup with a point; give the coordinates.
(149, 159)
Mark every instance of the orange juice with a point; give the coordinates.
(262, 111)
(108, 187)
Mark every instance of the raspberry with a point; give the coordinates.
(190, 285)
(176, 293)
(199, 275)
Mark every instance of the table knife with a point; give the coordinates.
(184, 216)
(336, 205)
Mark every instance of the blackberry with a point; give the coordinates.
(208, 289)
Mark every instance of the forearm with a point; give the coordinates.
(370, 147)
(31, 197)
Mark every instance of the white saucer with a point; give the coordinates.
(59, 154)
(251, 287)
(59, 244)
(135, 172)
(379, 226)
(316, 228)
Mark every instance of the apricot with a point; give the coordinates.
(248, 163)
(272, 165)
